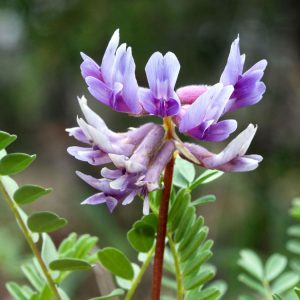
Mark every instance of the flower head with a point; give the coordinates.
(233, 158)
(113, 83)
(201, 118)
(139, 156)
(248, 89)
(162, 72)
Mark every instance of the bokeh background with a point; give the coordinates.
(40, 41)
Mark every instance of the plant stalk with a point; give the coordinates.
(163, 218)
(137, 280)
(28, 236)
(180, 289)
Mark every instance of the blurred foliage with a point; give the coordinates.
(40, 43)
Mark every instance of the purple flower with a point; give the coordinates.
(248, 89)
(139, 157)
(201, 118)
(113, 83)
(162, 72)
(233, 158)
(101, 140)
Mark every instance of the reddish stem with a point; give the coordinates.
(161, 231)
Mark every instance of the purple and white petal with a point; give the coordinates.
(234, 66)
(158, 164)
(78, 134)
(98, 198)
(89, 67)
(220, 131)
(92, 156)
(99, 89)
(109, 57)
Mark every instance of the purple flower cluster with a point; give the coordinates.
(140, 155)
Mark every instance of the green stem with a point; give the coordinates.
(28, 236)
(269, 294)
(180, 289)
(137, 280)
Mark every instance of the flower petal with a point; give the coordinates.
(234, 66)
(89, 67)
(220, 131)
(98, 89)
(98, 198)
(109, 56)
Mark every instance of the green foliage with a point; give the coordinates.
(15, 163)
(6, 139)
(269, 279)
(184, 173)
(29, 193)
(114, 293)
(69, 264)
(116, 262)
(142, 234)
(45, 221)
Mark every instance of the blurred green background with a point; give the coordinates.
(40, 41)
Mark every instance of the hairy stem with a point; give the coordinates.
(142, 271)
(28, 236)
(162, 218)
(180, 289)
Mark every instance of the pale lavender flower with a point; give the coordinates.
(201, 118)
(162, 72)
(140, 155)
(114, 82)
(102, 140)
(248, 89)
(233, 158)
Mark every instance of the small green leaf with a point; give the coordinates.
(251, 283)
(49, 252)
(276, 297)
(246, 297)
(29, 193)
(16, 291)
(67, 243)
(6, 139)
(297, 291)
(293, 246)
(125, 283)
(210, 293)
(294, 231)
(274, 266)
(151, 220)
(114, 293)
(15, 163)
(206, 177)
(69, 264)
(116, 261)
(184, 172)
(32, 275)
(194, 263)
(141, 236)
(251, 263)
(45, 221)
(285, 282)
(188, 238)
(204, 200)
(192, 281)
